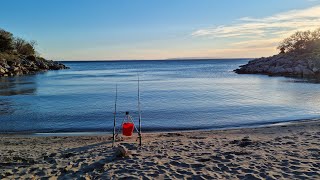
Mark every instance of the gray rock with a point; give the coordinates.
(284, 64)
(315, 69)
(16, 69)
(279, 70)
(27, 65)
(2, 70)
(122, 151)
(297, 70)
(307, 72)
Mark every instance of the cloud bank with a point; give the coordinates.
(267, 31)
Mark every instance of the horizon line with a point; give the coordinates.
(170, 59)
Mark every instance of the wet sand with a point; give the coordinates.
(290, 151)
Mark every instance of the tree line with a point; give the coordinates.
(10, 44)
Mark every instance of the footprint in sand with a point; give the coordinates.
(179, 164)
(313, 150)
(175, 157)
(223, 167)
(181, 171)
(203, 159)
(195, 137)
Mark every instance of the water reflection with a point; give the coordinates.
(302, 80)
(11, 86)
(21, 85)
(6, 107)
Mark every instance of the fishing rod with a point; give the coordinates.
(114, 117)
(139, 133)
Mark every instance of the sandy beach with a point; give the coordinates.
(290, 151)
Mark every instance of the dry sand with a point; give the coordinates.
(276, 152)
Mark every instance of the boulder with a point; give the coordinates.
(18, 73)
(42, 65)
(16, 69)
(278, 70)
(297, 70)
(2, 70)
(289, 70)
(122, 151)
(307, 72)
(315, 69)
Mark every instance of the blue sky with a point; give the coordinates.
(157, 29)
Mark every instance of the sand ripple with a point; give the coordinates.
(279, 152)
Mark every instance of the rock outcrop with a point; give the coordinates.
(27, 65)
(287, 64)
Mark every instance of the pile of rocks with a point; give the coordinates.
(27, 65)
(284, 65)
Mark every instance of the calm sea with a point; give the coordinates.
(175, 95)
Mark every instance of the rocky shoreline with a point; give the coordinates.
(28, 65)
(286, 64)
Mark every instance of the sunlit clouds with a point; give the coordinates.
(250, 32)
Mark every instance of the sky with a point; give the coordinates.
(157, 29)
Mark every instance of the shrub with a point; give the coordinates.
(27, 49)
(15, 45)
(301, 42)
(24, 47)
(6, 41)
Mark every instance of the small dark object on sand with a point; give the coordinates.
(243, 142)
(67, 155)
(122, 151)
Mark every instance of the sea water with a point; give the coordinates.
(175, 95)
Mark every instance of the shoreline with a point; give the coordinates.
(290, 64)
(287, 151)
(102, 133)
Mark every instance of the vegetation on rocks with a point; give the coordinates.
(299, 57)
(18, 57)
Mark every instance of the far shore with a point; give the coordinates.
(282, 151)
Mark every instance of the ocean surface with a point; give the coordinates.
(175, 95)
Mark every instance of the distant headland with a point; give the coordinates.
(19, 57)
(299, 57)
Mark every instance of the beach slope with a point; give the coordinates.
(288, 151)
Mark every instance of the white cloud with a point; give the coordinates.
(275, 27)
(257, 43)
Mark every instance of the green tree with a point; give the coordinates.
(6, 41)
(24, 47)
(18, 44)
(27, 49)
(301, 42)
